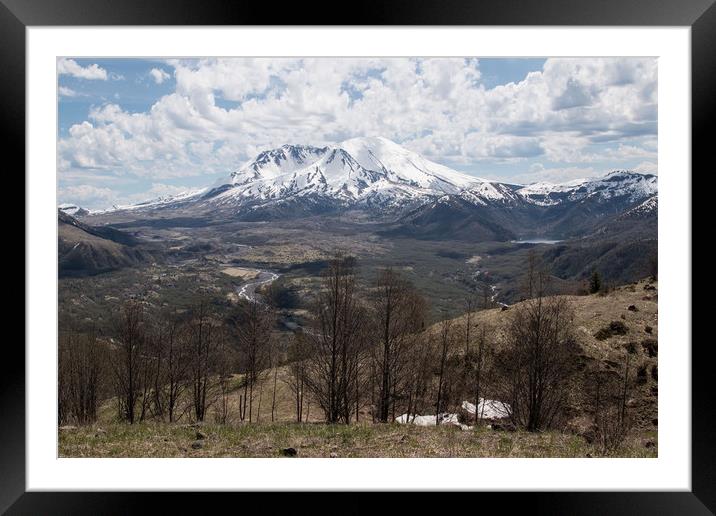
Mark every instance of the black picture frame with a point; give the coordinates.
(17, 15)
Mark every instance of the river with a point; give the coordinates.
(248, 290)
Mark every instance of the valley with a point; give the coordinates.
(291, 209)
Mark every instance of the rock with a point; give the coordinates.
(197, 445)
(200, 434)
(334, 455)
(632, 308)
(289, 452)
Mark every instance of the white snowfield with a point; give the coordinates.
(488, 409)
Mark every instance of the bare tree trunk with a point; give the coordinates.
(273, 396)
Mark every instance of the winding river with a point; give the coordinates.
(248, 290)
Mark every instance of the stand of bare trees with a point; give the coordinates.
(81, 364)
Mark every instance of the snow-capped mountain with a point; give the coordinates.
(394, 184)
(624, 184)
(73, 210)
(359, 171)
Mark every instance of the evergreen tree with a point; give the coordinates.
(595, 283)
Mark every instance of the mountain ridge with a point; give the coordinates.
(377, 172)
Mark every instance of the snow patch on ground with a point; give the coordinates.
(488, 409)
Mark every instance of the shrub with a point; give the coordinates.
(641, 375)
(650, 346)
(614, 328)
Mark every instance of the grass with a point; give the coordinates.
(321, 440)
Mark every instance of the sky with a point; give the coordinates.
(130, 130)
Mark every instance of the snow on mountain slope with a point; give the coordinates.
(158, 202)
(73, 210)
(631, 186)
(644, 209)
(373, 171)
(376, 173)
(277, 162)
(403, 166)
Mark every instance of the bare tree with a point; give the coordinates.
(253, 323)
(606, 392)
(168, 354)
(175, 360)
(398, 312)
(419, 366)
(335, 340)
(538, 360)
(203, 346)
(477, 359)
(297, 355)
(224, 362)
(531, 275)
(273, 362)
(129, 360)
(446, 341)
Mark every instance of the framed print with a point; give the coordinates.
(440, 248)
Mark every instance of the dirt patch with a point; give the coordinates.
(240, 272)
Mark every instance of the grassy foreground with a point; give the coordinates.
(321, 440)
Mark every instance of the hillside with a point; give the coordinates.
(87, 250)
(634, 305)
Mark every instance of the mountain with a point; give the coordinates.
(451, 217)
(414, 196)
(73, 210)
(373, 173)
(85, 249)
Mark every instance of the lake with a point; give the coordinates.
(535, 241)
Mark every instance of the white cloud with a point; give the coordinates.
(68, 92)
(647, 167)
(159, 75)
(71, 67)
(538, 173)
(435, 106)
(86, 195)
